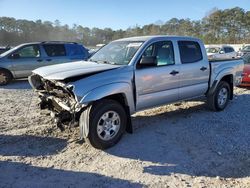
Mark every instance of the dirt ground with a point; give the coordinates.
(179, 145)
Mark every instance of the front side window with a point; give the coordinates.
(55, 50)
(29, 51)
(117, 53)
(190, 51)
(227, 50)
(163, 51)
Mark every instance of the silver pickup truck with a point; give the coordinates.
(130, 75)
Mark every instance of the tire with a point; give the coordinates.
(103, 131)
(220, 98)
(5, 77)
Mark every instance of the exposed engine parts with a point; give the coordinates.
(59, 99)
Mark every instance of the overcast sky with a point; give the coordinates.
(115, 14)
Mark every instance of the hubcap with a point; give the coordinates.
(108, 125)
(222, 97)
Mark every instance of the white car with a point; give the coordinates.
(221, 52)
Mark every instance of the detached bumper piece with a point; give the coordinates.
(61, 113)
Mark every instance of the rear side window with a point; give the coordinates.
(75, 50)
(55, 50)
(190, 51)
(228, 50)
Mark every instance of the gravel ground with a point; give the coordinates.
(179, 145)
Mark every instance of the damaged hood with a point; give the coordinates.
(67, 70)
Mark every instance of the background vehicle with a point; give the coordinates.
(246, 71)
(21, 60)
(221, 52)
(4, 49)
(130, 75)
(245, 50)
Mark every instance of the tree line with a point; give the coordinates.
(218, 26)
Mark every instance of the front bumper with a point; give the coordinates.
(58, 98)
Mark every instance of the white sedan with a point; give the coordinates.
(221, 52)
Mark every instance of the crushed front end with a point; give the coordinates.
(58, 97)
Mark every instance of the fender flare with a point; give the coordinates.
(102, 92)
(111, 89)
(218, 78)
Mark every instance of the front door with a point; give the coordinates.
(25, 60)
(159, 84)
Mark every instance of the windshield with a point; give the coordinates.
(212, 50)
(117, 53)
(247, 48)
(246, 58)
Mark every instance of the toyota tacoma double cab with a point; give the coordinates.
(130, 75)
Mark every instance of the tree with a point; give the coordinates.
(218, 26)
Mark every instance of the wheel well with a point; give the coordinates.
(122, 100)
(229, 80)
(7, 71)
(119, 98)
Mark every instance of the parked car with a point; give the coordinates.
(130, 75)
(21, 60)
(246, 71)
(221, 52)
(245, 50)
(4, 49)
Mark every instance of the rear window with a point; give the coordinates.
(190, 51)
(55, 50)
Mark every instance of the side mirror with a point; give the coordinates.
(15, 56)
(148, 61)
(221, 52)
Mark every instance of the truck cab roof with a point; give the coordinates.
(159, 37)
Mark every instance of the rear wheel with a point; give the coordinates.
(5, 77)
(219, 99)
(107, 122)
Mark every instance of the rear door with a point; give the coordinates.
(194, 70)
(56, 54)
(159, 84)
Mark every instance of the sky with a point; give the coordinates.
(115, 14)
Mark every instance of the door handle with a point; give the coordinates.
(174, 72)
(39, 60)
(203, 68)
(48, 59)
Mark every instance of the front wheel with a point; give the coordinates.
(107, 123)
(219, 99)
(5, 77)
